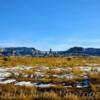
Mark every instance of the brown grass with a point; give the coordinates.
(49, 61)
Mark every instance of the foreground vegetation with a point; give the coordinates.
(11, 92)
(50, 78)
(48, 61)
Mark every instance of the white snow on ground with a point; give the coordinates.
(68, 76)
(1, 79)
(4, 74)
(20, 67)
(98, 69)
(23, 83)
(79, 86)
(85, 68)
(8, 81)
(43, 85)
(68, 86)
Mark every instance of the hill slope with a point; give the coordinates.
(24, 51)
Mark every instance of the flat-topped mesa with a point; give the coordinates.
(24, 51)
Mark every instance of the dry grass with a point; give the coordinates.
(11, 92)
(49, 61)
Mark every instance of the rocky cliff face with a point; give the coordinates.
(24, 51)
(21, 51)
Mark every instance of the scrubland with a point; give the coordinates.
(50, 78)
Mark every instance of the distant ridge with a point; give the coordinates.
(24, 51)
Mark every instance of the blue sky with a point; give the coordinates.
(44, 24)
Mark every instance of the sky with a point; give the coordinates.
(45, 24)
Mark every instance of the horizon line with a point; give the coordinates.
(49, 48)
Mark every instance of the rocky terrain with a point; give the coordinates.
(24, 51)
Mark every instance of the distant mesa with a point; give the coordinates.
(24, 51)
